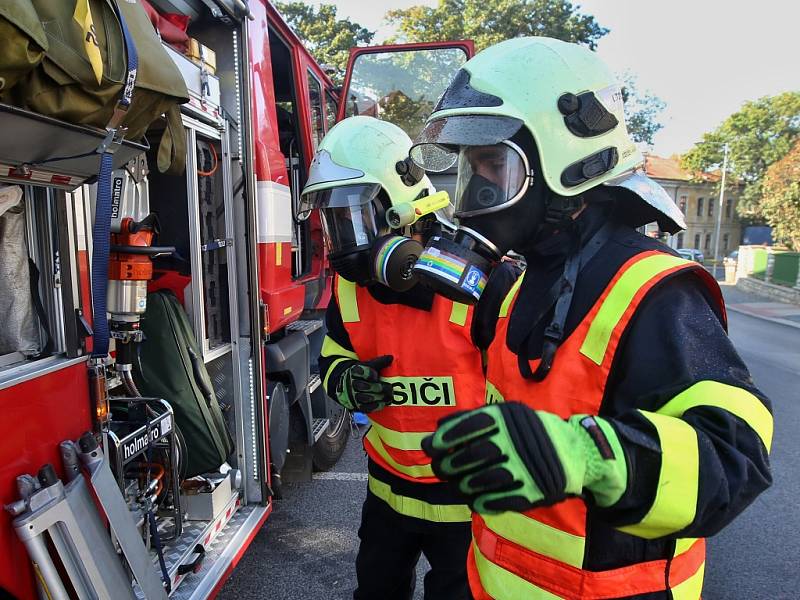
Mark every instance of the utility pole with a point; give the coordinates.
(719, 212)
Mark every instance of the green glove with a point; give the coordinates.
(360, 387)
(510, 457)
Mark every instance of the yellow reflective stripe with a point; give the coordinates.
(419, 509)
(502, 584)
(539, 537)
(683, 545)
(619, 299)
(346, 295)
(331, 347)
(458, 314)
(410, 470)
(691, 588)
(329, 371)
(733, 399)
(675, 504)
(510, 296)
(402, 440)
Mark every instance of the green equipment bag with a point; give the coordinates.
(170, 366)
(22, 42)
(80, 77)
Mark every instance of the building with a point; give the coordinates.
(699, 202)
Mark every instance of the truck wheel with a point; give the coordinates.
(331, 444)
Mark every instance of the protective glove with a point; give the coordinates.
(510, 457)
(361, 388)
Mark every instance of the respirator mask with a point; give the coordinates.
(490, 179)
(359, 223)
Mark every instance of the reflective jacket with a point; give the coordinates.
(544, 552)
(436, 371)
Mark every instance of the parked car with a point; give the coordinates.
(691, 254)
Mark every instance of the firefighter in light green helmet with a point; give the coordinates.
(624, 428)
(395, 351)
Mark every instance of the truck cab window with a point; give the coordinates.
(315, 103)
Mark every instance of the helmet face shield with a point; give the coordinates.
(349, 215)
(436, 147)
(490, 178)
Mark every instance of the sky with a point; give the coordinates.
(704, 58)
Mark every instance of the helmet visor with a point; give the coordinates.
(348, 213)
(436, 147)
(490, 178)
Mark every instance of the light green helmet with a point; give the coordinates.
(571, 104)
(364, 150)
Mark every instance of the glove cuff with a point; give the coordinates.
(606, 475)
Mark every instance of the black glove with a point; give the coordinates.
(361, 388)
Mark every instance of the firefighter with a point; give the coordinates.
(397, 352)
(622, 427)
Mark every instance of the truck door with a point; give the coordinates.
(401, 84)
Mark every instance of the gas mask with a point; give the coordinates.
(491, 179)
(360, 231)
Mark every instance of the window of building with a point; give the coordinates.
(315, 102)
(707, 244)
(682, 204)
(680, 240)
(699, 207)
(697, 241)
(710, 207)
(725, 240)
(728, 207)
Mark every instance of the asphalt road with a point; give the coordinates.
(307, 547)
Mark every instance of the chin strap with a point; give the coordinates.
(561, 294)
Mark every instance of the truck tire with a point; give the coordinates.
(331, 444)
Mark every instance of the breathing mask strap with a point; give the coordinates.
(559, 209)
(561, 294)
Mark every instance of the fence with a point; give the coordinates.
(770, 265)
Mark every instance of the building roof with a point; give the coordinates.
(670, 168)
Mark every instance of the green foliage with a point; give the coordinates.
(327, 38)
(642, 110)
(758, 135)
(488, 22)
(780, 204)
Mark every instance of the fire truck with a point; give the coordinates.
(91, 471)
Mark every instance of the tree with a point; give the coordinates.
(642, 110)
(780, 204)
(488, 22)
(761, 133)
(327, 38)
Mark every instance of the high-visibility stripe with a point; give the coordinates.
(538, 536)
(415, 471)
(278, 254)
(733, 399)
(500, 583)
(683, 545)
(691, 588)
(675, 504)
(346, 295)
(419, 509)
(619, 299)
(331, 347)
(512, 293)
(402, 440)
(458, 314)
(332, 366)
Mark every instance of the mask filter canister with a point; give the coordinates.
(457, 269)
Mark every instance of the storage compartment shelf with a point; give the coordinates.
(32, 141)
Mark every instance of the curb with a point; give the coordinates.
(777, 320)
